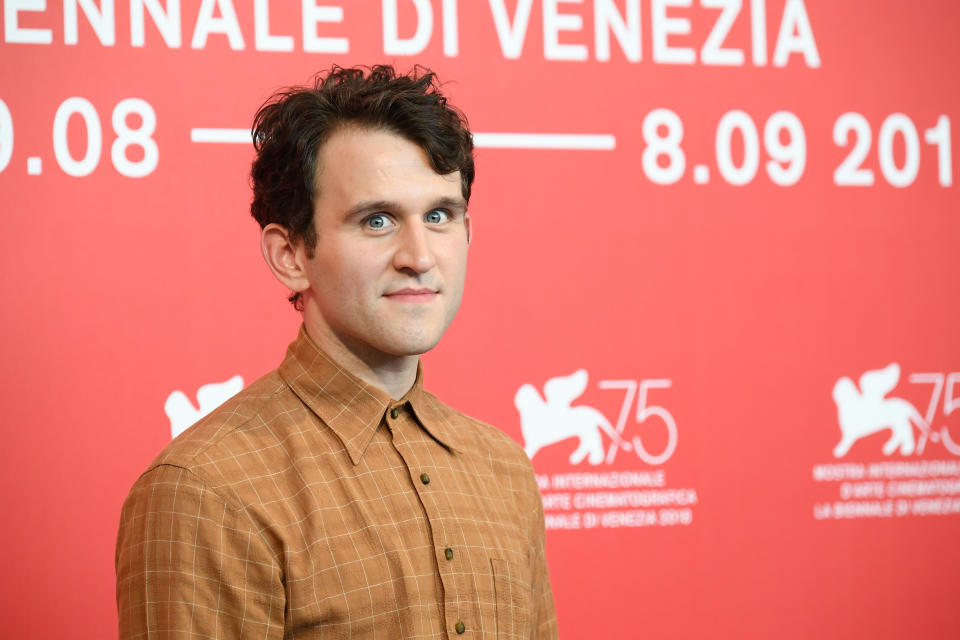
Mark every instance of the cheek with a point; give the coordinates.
(455, 271)
(352, 272)
(457, 258)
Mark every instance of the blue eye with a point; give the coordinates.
(437, 216)
(378, 221)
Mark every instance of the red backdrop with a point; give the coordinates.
(764, 208)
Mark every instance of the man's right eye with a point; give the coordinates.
(377, 221)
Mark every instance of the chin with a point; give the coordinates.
(410, 345)
(415, 349)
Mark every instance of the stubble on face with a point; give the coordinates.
(388, 269)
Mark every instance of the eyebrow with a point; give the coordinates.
(457, 204)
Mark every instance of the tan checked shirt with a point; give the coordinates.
(311, 505)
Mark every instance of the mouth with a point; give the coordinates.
(410, 294)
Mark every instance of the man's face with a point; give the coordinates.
(389, 265)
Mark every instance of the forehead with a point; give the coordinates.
(357, 164)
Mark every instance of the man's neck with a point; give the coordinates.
(393, 374)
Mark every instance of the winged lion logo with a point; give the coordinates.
(181, 411)
(551, 418)
(867, 410)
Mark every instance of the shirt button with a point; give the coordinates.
(394, 413)
(459, 627)
(424, 478)
(448, 553)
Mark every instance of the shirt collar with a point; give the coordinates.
(352, 408)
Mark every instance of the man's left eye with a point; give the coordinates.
(437, 216)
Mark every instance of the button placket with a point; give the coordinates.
(433, 501)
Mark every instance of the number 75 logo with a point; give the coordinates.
(940, 383)
(552, 418)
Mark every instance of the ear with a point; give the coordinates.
(468, 224)
(286, 258)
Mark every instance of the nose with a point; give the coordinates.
(414, 252)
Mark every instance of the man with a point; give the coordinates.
(334, 497)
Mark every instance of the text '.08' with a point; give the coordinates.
(126, 138)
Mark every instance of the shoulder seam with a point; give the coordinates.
(211, 443)
(204, 482)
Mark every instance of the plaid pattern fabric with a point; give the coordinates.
(311, 505)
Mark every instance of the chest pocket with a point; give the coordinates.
(513, 591)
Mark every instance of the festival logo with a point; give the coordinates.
(866, 411)
(552, 418)
(182, 412)
(900, 486)
(596, 495)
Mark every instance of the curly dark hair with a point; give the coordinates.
(292, 125)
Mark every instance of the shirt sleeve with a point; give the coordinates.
(544, 617)
(190, 565)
